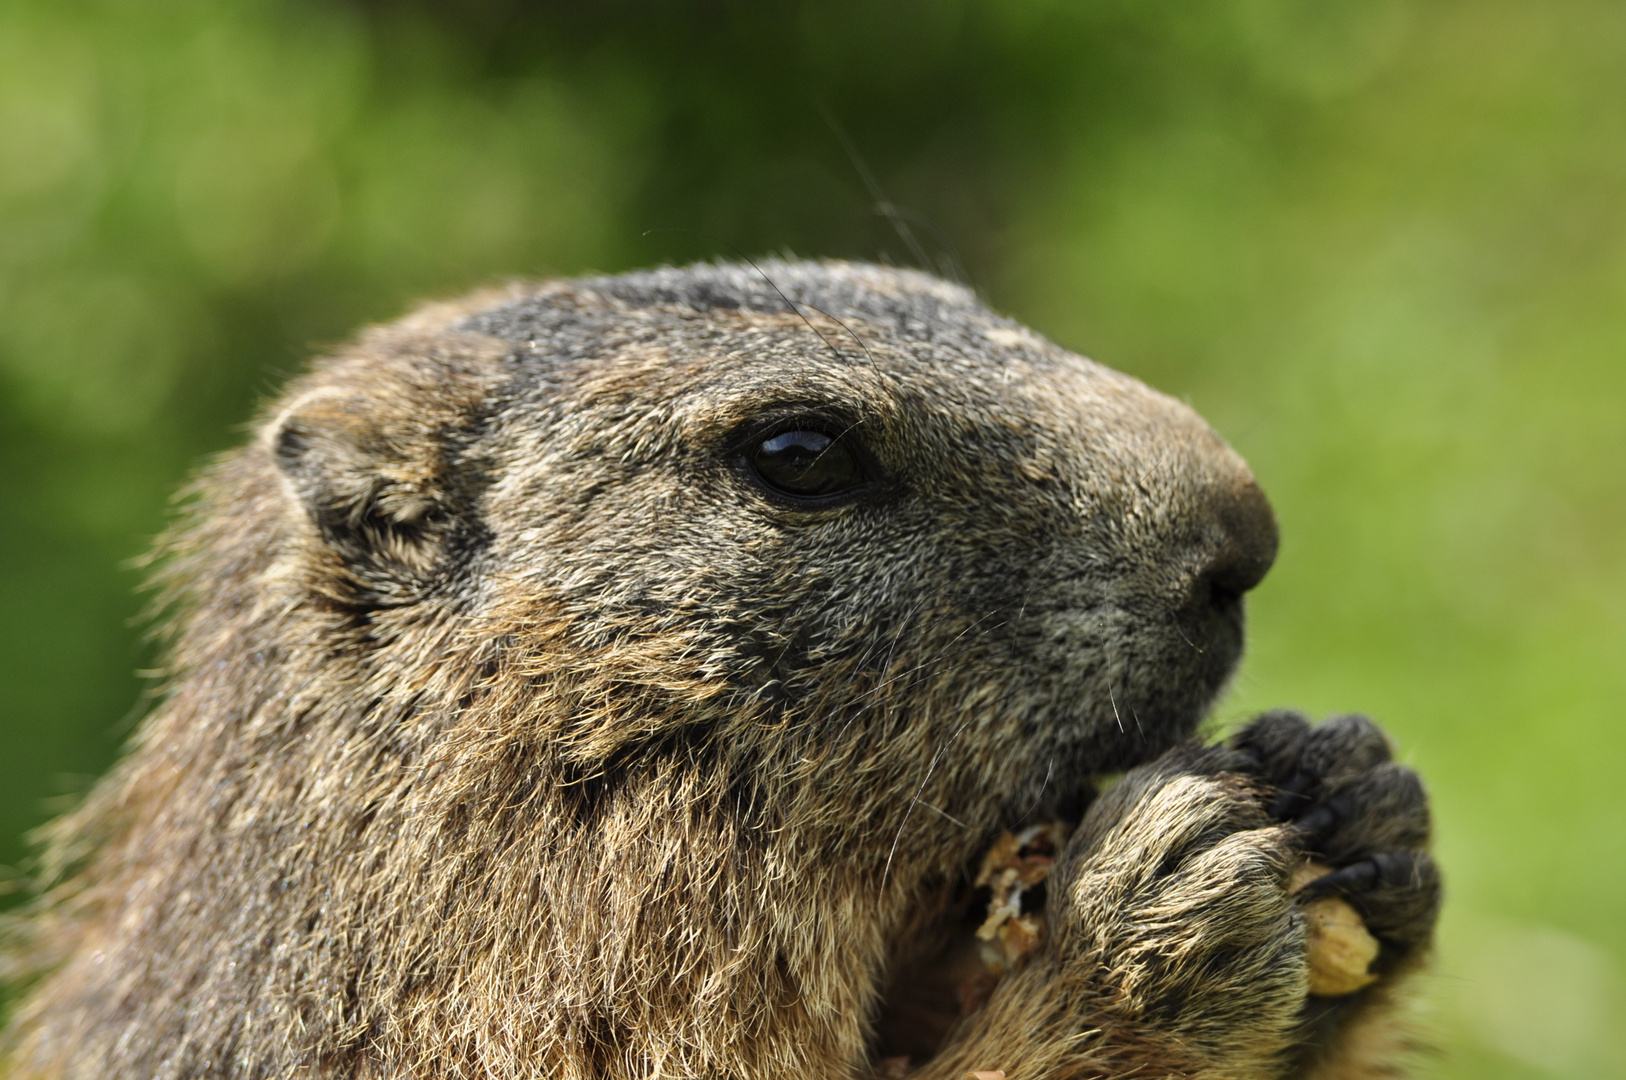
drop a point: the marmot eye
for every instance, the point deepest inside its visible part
(806, 464)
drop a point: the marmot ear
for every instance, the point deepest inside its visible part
(376, 453)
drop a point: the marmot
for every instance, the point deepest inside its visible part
(622, 677)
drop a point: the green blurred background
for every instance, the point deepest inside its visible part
(1380, 244)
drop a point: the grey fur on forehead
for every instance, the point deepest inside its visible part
(909, 305)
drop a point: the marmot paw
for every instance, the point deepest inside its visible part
(1175, 906)
(1358, 812)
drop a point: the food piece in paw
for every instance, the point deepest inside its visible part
(1339, 946)
(1013, 871)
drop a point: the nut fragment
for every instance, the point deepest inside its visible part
(1011, 871)
(1014, 865)
(1340, 948)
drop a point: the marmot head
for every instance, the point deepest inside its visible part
(622, 666)
(819, 509)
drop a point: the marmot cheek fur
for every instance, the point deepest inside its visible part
(622, 678)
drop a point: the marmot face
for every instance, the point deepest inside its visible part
(989, 530)
(846, 505)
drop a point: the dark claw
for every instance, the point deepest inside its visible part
(1396, 892)
(1391, 868)
(1324, 819)
(1384, 808)
(1297, 759)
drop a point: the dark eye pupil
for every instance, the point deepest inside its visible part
(807, 463)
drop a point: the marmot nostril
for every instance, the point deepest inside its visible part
(1248, 547)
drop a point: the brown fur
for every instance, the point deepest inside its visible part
(511, 731)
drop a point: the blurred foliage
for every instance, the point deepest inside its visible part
(1380, 244)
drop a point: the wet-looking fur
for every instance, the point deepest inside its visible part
(515, 727)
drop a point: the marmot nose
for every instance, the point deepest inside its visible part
(1246, 528)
